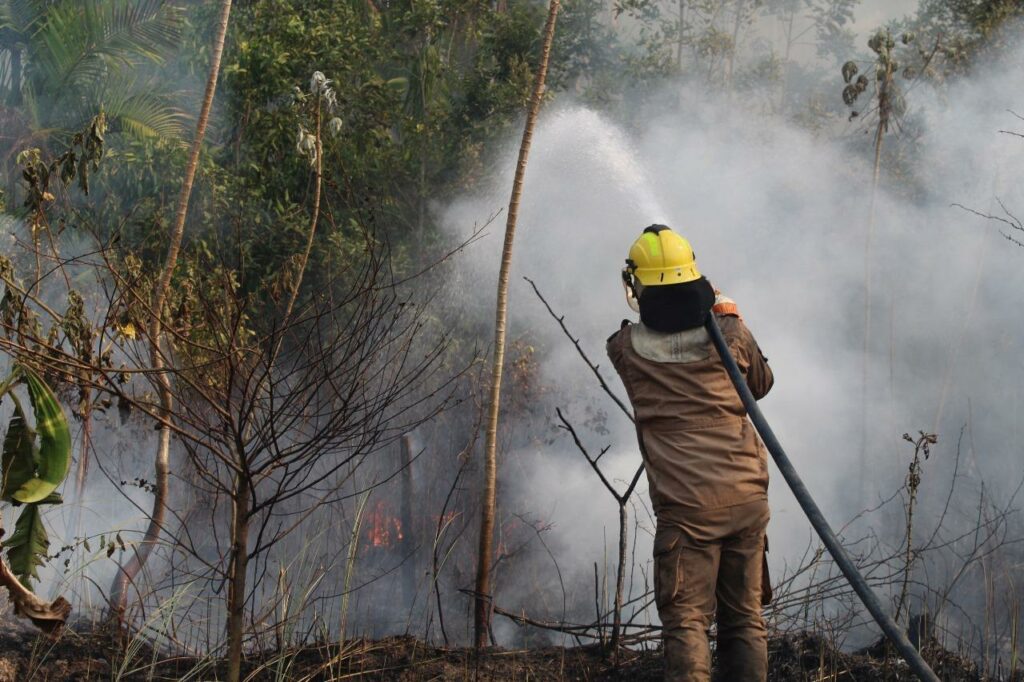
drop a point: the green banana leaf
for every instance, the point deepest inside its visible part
(29, 546)
(19, 455)
(54, 442)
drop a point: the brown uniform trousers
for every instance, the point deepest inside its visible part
(708, 478)
(708, 565)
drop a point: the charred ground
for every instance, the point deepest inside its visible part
(85, 654)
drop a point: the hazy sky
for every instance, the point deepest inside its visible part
(871, 14)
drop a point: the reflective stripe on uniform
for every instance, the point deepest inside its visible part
(725, 306)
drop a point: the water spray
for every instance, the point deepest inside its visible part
(803, 496)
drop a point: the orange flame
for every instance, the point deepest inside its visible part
(384, 529)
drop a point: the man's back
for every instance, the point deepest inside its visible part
(700, 450)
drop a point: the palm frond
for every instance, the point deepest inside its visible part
(147, 28)
(80, 43)
(146, 116)
(23, 16)
(130, 106)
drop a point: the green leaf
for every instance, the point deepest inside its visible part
(54, 442)
(28, 547)
(19, 458)
(398, 84)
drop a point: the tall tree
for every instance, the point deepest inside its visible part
(482, 613)
(158, 348)
(890, 106)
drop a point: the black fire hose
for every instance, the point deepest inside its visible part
(803, 496)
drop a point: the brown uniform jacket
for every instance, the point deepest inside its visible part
(699, 449)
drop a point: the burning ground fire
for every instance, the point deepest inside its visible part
(384, 529)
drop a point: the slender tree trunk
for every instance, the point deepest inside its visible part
(785, 62)
(421, 200)
(294, 294)
(118, 591)
(410, 534)
(735, 40)
(482, 615)
(83, 455)
(237, 574)
(620, 579)
(680, 38)
(883, 125)
(128, 573)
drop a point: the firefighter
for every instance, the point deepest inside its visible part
(706, 467)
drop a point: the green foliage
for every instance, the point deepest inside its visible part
(64, 63)
(31, 471)
(663, 38)
(965, 31)
(423, 88)
(832, 20)
(54, 442)
(81, 157)
(276, 47)
(74, 43)
(885, 66)
(70, 59)
(502, 75)
(20, 455)
(586, 56)
(29, 545)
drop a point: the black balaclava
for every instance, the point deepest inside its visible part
(675, 307)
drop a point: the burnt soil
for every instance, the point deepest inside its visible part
(89, 655)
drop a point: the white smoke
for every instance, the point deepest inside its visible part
(778, 218)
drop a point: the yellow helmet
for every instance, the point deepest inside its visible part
(660, 256)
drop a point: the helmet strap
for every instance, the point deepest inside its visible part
(632, 296)
(628, 280)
